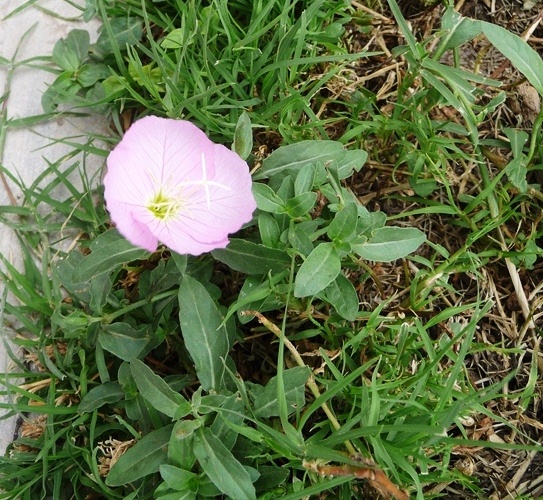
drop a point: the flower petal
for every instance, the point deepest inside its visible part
(207, 187)
(134, 231)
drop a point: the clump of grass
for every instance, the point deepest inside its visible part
(325, 351)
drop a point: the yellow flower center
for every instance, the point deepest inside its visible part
(163, 206)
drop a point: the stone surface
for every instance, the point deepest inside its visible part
(26, 149)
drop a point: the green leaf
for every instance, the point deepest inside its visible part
(176, 39)
(304, 179)
(106, 257)
(155, 390)
(89, 74)
(319, 269)
(391, 243)
(180, 446)
(300, 205)
(251, 258)
(415, 48)
(352, 162)
(266, 199)
(266, 403)
(222, 467)
(144, 458)
(123, 340)
(243, 136)
(270, 477)
(99, 288)
(343, 224)
(69, 52)
(206, 340)
(300, 239)
(290, 159)
(60, 91)
(109, 392)
(231, 411)
(459, 30)
(268, 229)
(342, 295)
(517, 169)
(176, 478)
(126, 31)
(521, 55)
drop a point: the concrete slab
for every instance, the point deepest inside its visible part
(26, 149)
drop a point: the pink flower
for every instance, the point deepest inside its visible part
(167, 182)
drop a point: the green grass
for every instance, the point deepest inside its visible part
(332, 386)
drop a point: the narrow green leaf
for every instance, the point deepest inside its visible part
(155, 390)
(414, 46)
(222, 467)
(144, 458)
(205, 339)
(319, 269)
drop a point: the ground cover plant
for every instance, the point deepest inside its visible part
(374, 330)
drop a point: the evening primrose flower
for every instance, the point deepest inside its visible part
(166, 182)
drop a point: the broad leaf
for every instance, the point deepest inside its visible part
(292, 158)
(304, 179)
(266, 402)
(266, 199)
(319, 269)
(243, 136)
(521, 55)
(176, 478)
(252, 258)
(205, 339)
(222, 467)
(459, 30)
(155, 390)
(144, 458)
(123, 340)
(300, 205)
(125, 31)
(390, 243)
(342, 295)
(107, 257)
(98, 396)
(343, 224)
(69, 52)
